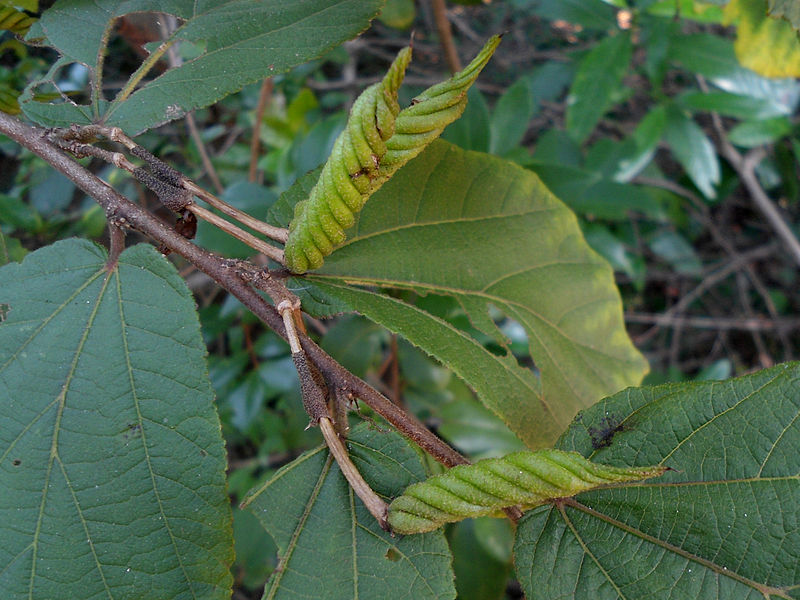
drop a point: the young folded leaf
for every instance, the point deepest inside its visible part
(526, 478)
(378, 139)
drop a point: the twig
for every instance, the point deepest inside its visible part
(745, 167)
(445, 35)
(763, 355)
(122, 212)
(208, 166)
(264, 98)
(739, 261)
(139, 74)
(71, 140)
(377, 507)
(702, 213)
(314, 403)
(168, 24)
(266, 249)
(278, 234)
(732, 323)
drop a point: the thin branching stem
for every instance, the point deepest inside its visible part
(124, 213)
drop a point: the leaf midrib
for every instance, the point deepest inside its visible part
(54, 457)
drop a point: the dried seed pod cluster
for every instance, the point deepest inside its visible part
(378, 139)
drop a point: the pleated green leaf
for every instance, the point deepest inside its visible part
(112, 464)
(490, 235)
(722, 524)
(525, 478)
(378, 140)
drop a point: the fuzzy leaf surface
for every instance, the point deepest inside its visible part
(722, 524)
(489, 234)
(243, 41)
(112, 463)
(330, 546)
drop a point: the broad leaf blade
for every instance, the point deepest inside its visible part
(694, 151)
(113, 465)
(723, 524)
(597, 82)
(330, 546)
(489, 234)
(244, 40)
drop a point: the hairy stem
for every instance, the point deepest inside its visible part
(123, 212)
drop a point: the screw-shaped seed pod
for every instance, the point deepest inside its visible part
(378, 139)
(523, 478)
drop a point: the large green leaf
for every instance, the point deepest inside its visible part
(112, 465)
(597, 84)
(243, 41)
(330, 546)
(489, 234)
(723, 524)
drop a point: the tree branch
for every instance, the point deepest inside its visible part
(121, 212)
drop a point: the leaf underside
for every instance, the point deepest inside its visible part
(243, 41)
(330, 546)
(722, 524)
(490, 235)
(112, 463)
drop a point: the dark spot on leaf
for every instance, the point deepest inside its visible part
(393, 555)
(16, 462)
(203, 452)
(131, 430)
(602, 435)
(4, 310)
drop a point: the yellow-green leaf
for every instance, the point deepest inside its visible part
(768, 46)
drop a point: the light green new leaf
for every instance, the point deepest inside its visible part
(243, 41)
(597, 82)
(489, 234)
(723, 524)
(330, 546)
(112, 463)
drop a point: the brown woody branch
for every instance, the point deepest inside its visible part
(121, 212)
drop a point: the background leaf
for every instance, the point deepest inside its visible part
(723, 524)
(489, 234)
(330, 546)
(597, 83)
(693, 150)
(113, 466)
(244, 40)
(510, 118)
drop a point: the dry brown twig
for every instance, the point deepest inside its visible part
(233, 277)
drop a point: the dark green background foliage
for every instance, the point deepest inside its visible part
(610, 172)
